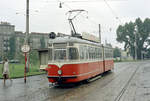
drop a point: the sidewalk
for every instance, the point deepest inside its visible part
(18, 90)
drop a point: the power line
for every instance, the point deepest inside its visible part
(113, 12)
(80, 1)
(81, 15)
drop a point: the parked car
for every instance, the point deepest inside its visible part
(14, 61)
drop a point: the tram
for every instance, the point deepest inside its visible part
(72, 59)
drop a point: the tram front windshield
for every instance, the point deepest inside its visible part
(60, 54)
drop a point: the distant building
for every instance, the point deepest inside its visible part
(6, 28)
(7, 31)
(35, 39)
(125, 55)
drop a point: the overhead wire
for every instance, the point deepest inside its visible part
(89, 1)
(88, 18)
(64, 3)
(113, 12)
(93, 23)
(105, 1)
(107, 4)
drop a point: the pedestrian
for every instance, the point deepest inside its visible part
(6, 71)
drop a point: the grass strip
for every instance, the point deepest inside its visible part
(17, 70)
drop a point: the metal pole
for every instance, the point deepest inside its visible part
(26, 38)
(25, 67)
(135, 49)
(141, 55)
(99, 33)
(27, 22)
(135, 44)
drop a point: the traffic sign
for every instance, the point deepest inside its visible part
(25, 48)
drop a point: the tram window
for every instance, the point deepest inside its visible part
(86, 52)
(82, 53)
(73, 54)
(100, 53)
(106, 56)
(90, 52)
(60, 45)
(50, 45)
(60, 54)
(93, 53)
(108, 53)
(50, 54)
(111, 53)
(97, 53)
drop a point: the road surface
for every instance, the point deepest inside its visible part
(130, 81)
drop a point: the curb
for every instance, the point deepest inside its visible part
(26, 76)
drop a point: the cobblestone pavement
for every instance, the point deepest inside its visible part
(130, 81)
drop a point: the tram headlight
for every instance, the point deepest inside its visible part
(59, 72)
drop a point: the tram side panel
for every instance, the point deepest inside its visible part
(101, 67)
(108, 65)
(81, 71)
(108, 59)
(95, 68)
(75, 72)
(70, 72)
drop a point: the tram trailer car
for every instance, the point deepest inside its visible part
(71, 59)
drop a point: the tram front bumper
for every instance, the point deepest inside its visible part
(62, 77)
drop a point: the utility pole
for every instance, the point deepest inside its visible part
(99, 32)
(27, 22)
(26, 38)
(135, 43)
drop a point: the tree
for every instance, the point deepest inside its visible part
(42, 41)
(21, 54)
(12, 47)
(0, 58)
(116, 52)
(134, 32)
(34, 58)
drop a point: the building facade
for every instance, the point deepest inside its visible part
(7, 31)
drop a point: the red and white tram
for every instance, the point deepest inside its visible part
(71, 59)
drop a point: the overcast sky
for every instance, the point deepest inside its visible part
(46, 16)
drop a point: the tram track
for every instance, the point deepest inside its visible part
(119, 96)
(73, 92)
(46, 94)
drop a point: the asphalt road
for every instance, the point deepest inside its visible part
(130, 81)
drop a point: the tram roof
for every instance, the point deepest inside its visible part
(73, 40)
